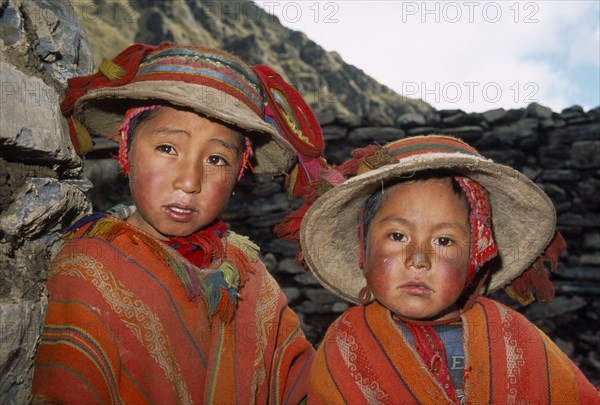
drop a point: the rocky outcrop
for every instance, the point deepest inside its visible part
(41, 185)
(239, 26)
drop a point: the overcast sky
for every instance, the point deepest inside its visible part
(472, 55)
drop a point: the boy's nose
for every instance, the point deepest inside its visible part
(417, 257)
(189, 177)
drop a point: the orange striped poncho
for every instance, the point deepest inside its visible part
(120, 327)
(366, 358)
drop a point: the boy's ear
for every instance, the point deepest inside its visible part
(365, 295)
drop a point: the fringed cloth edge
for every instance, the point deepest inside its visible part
(534, 283)
(216, 287)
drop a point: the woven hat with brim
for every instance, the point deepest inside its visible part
(523, 217)
(211, 82)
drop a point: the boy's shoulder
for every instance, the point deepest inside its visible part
(491, 304)
(95, 224)
(112, 230)
(492, 311)
(355, 318)
(243, 253)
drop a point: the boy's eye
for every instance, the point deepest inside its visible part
(217, 160)
(397, 236)
(443, 241)
(166, 149)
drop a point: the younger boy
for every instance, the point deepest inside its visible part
(437, 226)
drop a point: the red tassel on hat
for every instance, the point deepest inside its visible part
(534, 282)
(297, 124)
(124, 67)
(289, 227)
(309, 142)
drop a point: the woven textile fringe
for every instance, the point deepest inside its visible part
(110, 228)
(217, 289)
(534, 283)
(289, 229)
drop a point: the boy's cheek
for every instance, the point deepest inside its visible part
(455, 254)
(138, 172)
(379, 265)
(454, 279)
(223, 175)
(147, 180)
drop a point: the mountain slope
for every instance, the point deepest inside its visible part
(326, 81)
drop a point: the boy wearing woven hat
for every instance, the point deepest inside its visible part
(424, 228)
(159, 302)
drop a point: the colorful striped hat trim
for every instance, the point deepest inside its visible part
(439, 144)
(204, 69)
(208, 56)
(177, 65)
(206, 78)
(200, 52)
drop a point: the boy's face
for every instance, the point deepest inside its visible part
(183, 169)
(417, 251)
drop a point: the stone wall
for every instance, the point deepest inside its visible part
(41, 183)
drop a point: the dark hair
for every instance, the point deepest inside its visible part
(374, 201)
(137, 120)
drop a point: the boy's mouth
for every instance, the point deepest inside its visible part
(181, 210)
(416, 288)
(179, 213)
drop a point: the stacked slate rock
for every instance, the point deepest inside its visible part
(41, 184)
